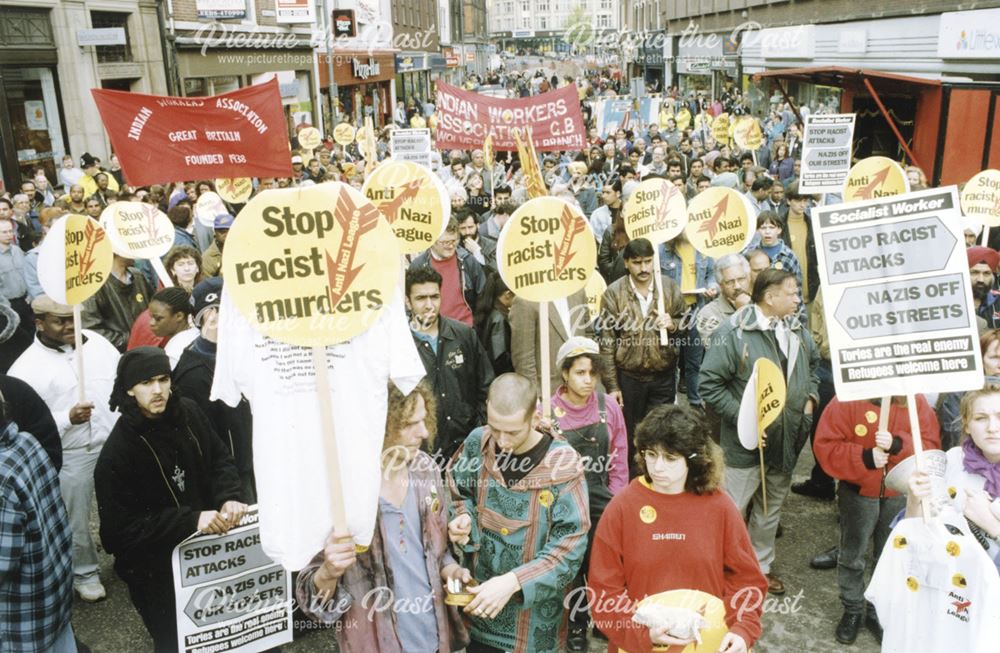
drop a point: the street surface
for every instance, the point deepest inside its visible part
(800, 622)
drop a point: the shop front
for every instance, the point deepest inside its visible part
(32, 131)
(413, 77)
(365, 84)
(651, 61)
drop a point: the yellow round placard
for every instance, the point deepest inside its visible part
(656, 210)
(546, 250)
(708, 606)
(683, 119)
(719, 222)
(874, 177)
(309, 138)
(720, 128)
(981, 198)
(747, 133)
(74, 260)
(312, 266)
(234, 191)
(137, 230)
(413, 200)
(343, 134)
(595, 294)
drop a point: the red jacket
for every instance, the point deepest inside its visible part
(845, 438)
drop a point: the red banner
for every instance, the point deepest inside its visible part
(160, 139)
(466, 118)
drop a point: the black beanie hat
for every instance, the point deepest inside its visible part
(136, 366)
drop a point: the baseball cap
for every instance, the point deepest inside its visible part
(296, 159)
(206, 295)
(576, 346)
(45, 305)
(223, 221)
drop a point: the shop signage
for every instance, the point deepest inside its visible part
(344, 24)
(101, 36)
(798, 42)
(470, 57)
(294, 11)
(969, 34)
(523, 33)
(365, 70)
(852, 41)
(451, 59)
(409, 62)
(221, 8)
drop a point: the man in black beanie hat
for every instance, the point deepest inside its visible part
(161, 474)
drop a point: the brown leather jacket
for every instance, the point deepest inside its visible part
(630, 341)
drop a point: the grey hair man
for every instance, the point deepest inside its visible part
(732, 271)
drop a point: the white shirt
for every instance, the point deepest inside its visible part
(52, 374)
(288, 450)
(562, 308)
(778, 326)
(644, 302)
(936, 590)
(178, 343)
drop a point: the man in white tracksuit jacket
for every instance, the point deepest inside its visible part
(49, 366)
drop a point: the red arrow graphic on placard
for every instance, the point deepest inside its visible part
(151, 212)
(564, 253)
(355, 221)
(93, 236)
(668, 190)
(712, 224)
(865, 192)
(409, 191)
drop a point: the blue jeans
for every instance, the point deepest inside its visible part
(861, 520)
(692, 352)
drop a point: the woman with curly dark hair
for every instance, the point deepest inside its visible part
(674, 528)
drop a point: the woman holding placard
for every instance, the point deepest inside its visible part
(675, 510)
(972, 476)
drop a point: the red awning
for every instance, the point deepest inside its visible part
(841, 77)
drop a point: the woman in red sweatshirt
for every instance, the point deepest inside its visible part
(674, 528)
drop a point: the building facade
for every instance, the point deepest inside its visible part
(51, 54)
(416, 27)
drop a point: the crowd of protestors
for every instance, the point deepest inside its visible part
(614, 484)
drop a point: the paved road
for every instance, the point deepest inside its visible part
(801, 621)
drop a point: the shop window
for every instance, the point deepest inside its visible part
(112, 53)
(34, 119)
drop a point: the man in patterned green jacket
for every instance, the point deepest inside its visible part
(521, 517)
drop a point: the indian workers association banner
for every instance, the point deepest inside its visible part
(465, 119)
(160, 139)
